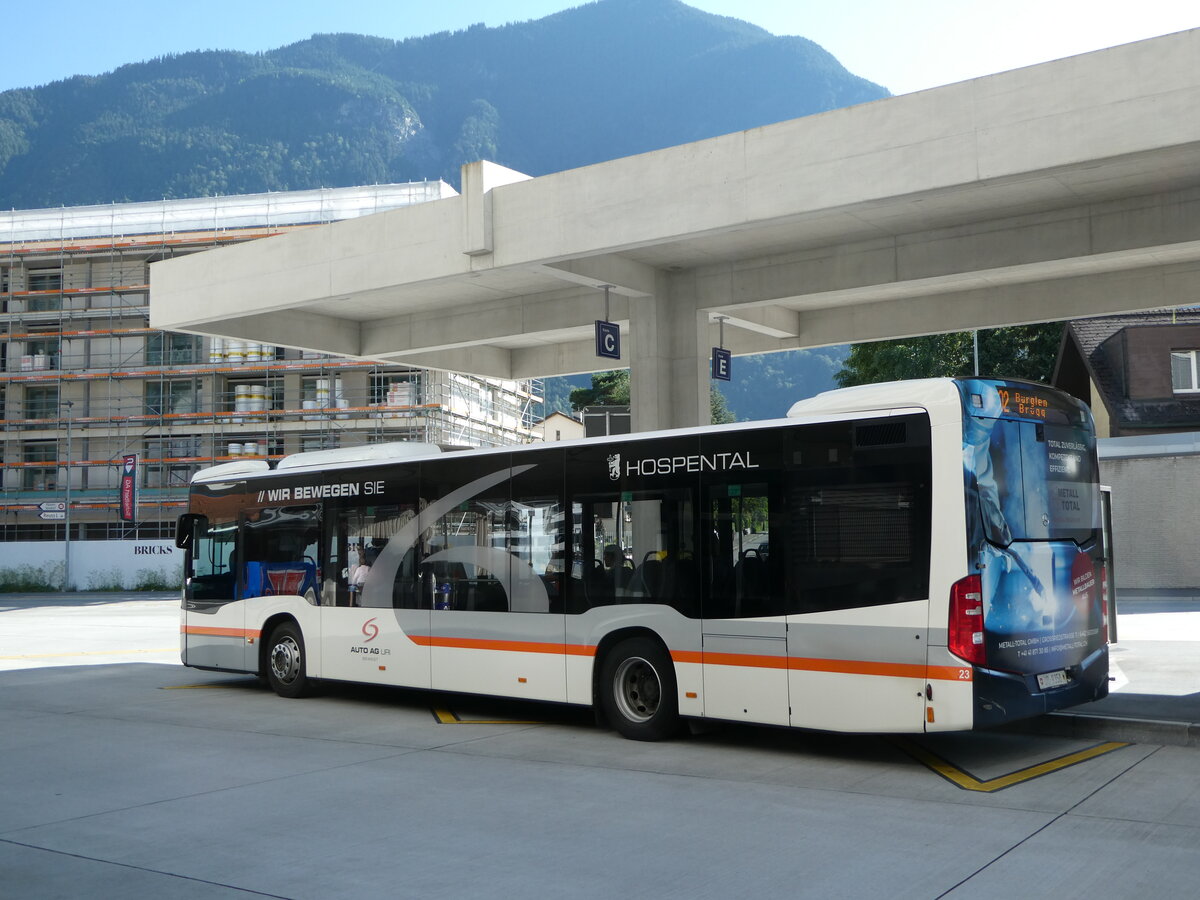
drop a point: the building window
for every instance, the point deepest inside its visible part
(42, 351)
(40, 477)
(41, 403)
(44, 280)
(1185, 377)
(169, 462)
(392, 389)
(164, 349)
(167, 397)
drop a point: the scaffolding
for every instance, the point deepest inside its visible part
(80, 368)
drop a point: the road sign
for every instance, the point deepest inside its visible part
(52, 515)
(53, 506)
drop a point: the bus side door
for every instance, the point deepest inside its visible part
(744, 631)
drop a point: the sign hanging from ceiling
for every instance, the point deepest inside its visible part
(608, 339)
(722, 364)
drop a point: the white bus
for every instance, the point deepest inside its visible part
(917, 556)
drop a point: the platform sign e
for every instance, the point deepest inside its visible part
(722, 364)
(608, 339)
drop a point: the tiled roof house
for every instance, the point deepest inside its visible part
(1138, 372)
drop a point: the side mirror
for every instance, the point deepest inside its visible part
(185, 529)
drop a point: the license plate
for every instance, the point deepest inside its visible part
(1049, 680)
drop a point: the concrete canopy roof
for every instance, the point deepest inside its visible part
(1062, 190)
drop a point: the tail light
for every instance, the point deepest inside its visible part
(966, 620)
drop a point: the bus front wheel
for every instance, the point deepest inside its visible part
(637, 690)
(286, 669)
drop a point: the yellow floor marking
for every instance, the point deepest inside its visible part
(446, 717)
(969, 782)
(91, 653)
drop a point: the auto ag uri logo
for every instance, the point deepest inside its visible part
(370, 631)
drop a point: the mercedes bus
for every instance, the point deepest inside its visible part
(905, 557)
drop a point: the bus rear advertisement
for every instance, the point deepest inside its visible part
(918, 556)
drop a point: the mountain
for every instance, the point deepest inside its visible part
(597, 82)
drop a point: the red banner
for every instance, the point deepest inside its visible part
(129, 488)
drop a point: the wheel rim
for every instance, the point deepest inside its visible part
(285, 659)
(637, 689)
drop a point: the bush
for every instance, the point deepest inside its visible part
(156, 580)
(143, 580)
(106, 580)
(32, 579)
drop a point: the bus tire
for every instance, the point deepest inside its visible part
(286, 662)
(637, 690)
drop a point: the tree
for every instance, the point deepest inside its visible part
(612, 389)
(608, 389)
(719, 412)
(1019, 351)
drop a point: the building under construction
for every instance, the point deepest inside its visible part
(85, 382)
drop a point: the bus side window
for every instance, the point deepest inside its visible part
(356, 543)
(280, 552)
(535, 526)
(744, 576)
(858, 502)
(635, 547)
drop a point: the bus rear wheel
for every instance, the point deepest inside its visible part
(637, 690)
(286, 669)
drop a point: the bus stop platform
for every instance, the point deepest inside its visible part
(1155, 670)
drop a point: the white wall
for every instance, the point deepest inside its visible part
(1155, 494)
(98, 564)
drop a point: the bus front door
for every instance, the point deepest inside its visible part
(213, 622)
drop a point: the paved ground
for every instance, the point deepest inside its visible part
(1156, 665)
(88, 629)
(121, 778)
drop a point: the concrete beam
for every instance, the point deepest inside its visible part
(485, 323)
(1000, 305)
(565, 357)
(487, 362)
(299, 329)
(633, 279)
(770, 321)
(1136, 231)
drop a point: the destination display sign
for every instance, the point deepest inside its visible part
(1021, 401)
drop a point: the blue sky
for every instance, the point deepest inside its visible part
(905, 46)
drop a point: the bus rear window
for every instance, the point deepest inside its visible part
(1037, 482)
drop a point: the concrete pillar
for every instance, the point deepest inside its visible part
(668, 370)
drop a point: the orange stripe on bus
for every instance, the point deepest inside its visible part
(425, 640)
(838, 666)
(221, 632)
